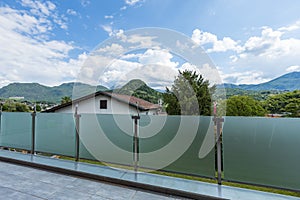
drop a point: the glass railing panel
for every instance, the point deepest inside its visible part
(262, 151)
(55, 133)
(176, 144)
(107, 138)
(16, 130)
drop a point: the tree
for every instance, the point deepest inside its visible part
(11, 106)
(38, 107)
(65, 99)
(20, 107)
(287, 103)
(244, 106)
(189, 95)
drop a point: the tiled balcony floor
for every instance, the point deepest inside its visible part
(20, 182)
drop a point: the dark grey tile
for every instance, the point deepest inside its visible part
(84, 185)
(96, 197)
(7, 193)
(66, 194)
(149, 196)
(35, 188)
(116, 192)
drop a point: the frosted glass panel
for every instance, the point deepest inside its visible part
(84, 153)
(107, 138)
(16, 130)
(55, 133)
(262, 151)
(173, 143)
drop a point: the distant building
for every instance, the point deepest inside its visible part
(16, 98)
(108, 103)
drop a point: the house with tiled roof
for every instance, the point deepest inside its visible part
(108, 103)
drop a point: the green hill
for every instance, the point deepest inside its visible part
(139, 89)
(37, 92)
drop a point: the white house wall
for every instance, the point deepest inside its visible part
(114, 106)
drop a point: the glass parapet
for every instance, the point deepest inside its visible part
(55, 133)
(16, 130)
(173, 143)
(107, 138)
(262, 151)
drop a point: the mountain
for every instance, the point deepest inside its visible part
(290, 82)
(140, 89)
(38, 92)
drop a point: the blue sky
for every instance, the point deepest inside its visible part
(48, 41)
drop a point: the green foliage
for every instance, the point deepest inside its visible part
(244, 106)
(65, 99)
(171, 103)
(38, 108)
(12, 106)
(288, 103)
(189, 95)
(255, 94)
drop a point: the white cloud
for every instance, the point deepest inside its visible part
(114, 50)
(44, 12)
(108, 29)
(271, 44)
(226, 44)
(201, 38)
(108, 17)
(38, 7)
(293, 68)
(153, 66)
(292, 27)
(268, 44)
(132, 2)
(158, 57)
(27, 53)
(123, 8)
(208, 72)
(260, 57)
(85, 3)
(246, 77)
(72, 12)
(119, 33)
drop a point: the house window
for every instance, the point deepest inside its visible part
(103, 104)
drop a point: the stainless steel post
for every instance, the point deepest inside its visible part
(219, 149)
(77, 117)
(135, 143)
(33, 130)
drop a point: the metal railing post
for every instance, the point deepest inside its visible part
(0, 118)
(218, 122)
(135, 142)
(33, 131)
(77, 117)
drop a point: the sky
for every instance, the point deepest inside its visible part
(49, 42)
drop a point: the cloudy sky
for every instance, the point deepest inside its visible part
(49, 41)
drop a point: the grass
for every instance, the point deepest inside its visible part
(196, 178)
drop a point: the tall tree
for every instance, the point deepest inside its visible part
(189, 95)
